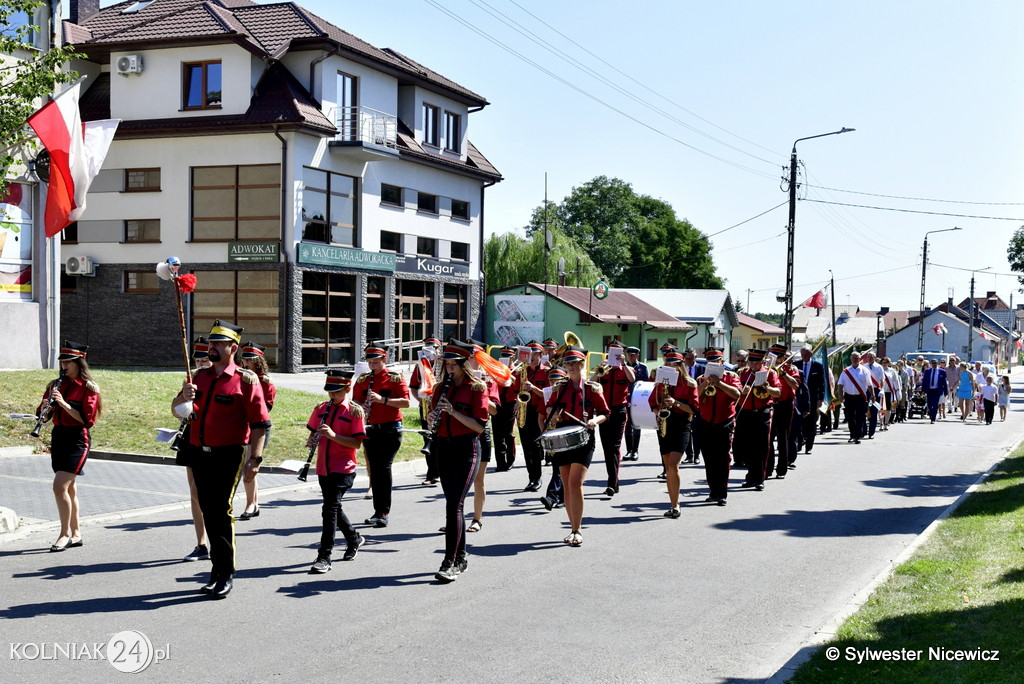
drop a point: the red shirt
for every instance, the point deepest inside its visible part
(332, 457)
(388, 385)
(683, 393)
(788, 393)
(747, 392)
(269, 392)
(464, 398)
(615, 386)
(720, 408)
(567, 396)
(82, 396)
(226, 406)
(539, 377)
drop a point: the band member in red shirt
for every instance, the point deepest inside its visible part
(580, 404)
(254, 360)
(718, 397)
(457, 416)
(384, 394)
(230, 414)
(782, 420)
(431, 349)
(337, 428)
(503, 422)
(74, 402)
(615, 383)
(680, 401)
(751, 443)
(535, 382)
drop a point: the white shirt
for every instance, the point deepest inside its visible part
(860, 376)
(989, 392)
(893, 385)
(877, 373)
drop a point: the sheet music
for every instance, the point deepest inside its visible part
(715, 369)
(615, 357)
(667, 375)
(360, 368)
(769, 359)
(760, 378)
(547, 393)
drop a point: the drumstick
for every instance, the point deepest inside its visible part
(573, 418)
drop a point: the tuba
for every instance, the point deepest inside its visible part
(571, 340)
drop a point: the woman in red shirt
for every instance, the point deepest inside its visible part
(576, 403)
(75, 400)
(681, 402)
(458, 413)
(252, 358)
(337, 426)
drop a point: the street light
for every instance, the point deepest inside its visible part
(970, 315)
(924, 267)
(788, 314)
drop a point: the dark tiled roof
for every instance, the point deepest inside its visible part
(618, 307)
(475, 161)
(269, 28)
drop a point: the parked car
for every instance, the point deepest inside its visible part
(928, 355)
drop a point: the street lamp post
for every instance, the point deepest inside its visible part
(788, 314)
(924, 269)
(970, 316)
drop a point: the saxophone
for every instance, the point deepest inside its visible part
(523, 398)
(663, 412)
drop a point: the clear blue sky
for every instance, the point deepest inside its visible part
(933, 89)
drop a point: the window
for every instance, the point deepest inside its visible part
(414, 313)
(141, 282)
(460, 209)
(245, 298)
(201, 85)
(390, 242)
(348, 111)
(652, 349)
(236, 203)
(328, 318)
(16, 242)
(375, 308)
(141, 180)
(460, 251)
(329, 207)
(452, 132)
(454, 312)
(427, 203)
(69, 236)
(390, 194)
(430, 132)
(21, 27)
(147, 230)
(426, 246)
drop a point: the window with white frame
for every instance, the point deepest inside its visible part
(430, 130)
(452, 132)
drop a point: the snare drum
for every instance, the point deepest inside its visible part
(564, 438)
(640, 412)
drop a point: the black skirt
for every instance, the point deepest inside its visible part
(677, 435)
(583, 454)
(69, 448)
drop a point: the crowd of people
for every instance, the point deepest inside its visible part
(757, 415)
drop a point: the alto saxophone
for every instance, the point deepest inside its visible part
(664, 412)
(523, 398)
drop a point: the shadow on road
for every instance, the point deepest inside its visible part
(839, 523)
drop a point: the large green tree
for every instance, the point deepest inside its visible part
(635, 240)
(510, 260)
(1015, 254)
(26, 76)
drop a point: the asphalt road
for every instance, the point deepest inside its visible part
(719, 595)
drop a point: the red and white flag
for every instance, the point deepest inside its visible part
(817, 301)
(76, 155)
(1020, 344)
(982, 335)
(940, 329)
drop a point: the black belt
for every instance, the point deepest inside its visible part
(381, 426)
(222, 449)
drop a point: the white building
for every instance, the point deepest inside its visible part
(324, 191)
(710, 312)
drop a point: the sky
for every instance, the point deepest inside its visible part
(699, 105)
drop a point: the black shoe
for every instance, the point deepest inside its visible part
(199, 553)
(672, 513)
(747, 484)
(75, 544)
(447, 573)
(353, 548)
(533, 486)
(856, 441)
(710, 499)
(792, 466)
(548, 503)
(663, 476)
(721, 502)
(460, 565)
(382, 521)
(373, 519)
(222, 589)
(208, 587)
(759, 487)
(246, 515)
(322, 565)
(559, 504)
(609, 491)
(781, 476)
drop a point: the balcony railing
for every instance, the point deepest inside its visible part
(362, 125)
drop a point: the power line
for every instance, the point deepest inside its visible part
(974, 270)
(915, 211)
(839, 280)
(919, 199)
(749, 219)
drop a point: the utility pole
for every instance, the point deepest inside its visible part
(970, 329)
(832, 291)
(924, 271)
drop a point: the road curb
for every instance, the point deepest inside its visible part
(830, 628)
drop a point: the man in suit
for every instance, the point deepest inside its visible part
(934, 384)
(812, 376)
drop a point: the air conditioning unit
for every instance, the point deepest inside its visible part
(80, 266)
(129, 64)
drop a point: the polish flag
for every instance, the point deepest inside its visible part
(939, 329)
(1020, 344)
(817, 301)
(76, 155)
(982, 335)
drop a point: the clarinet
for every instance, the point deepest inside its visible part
(434, 419)
(46, 412)
(316, 443)
(176, 444)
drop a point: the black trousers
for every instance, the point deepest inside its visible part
(632, 434)
(751, 442)
(782, 425)
(716, 446)
(693, 446)
(533, 454)
(216, 475)
(333, 487)
(382, 443)
(457, 460)
(611, 439)
(990, 409)
(504, 439)
(855, 406)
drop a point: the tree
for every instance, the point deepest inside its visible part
(635, 240)
(26, 75)
(511, 260)
(1015, 254)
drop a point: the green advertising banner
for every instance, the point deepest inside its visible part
(326, 255)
